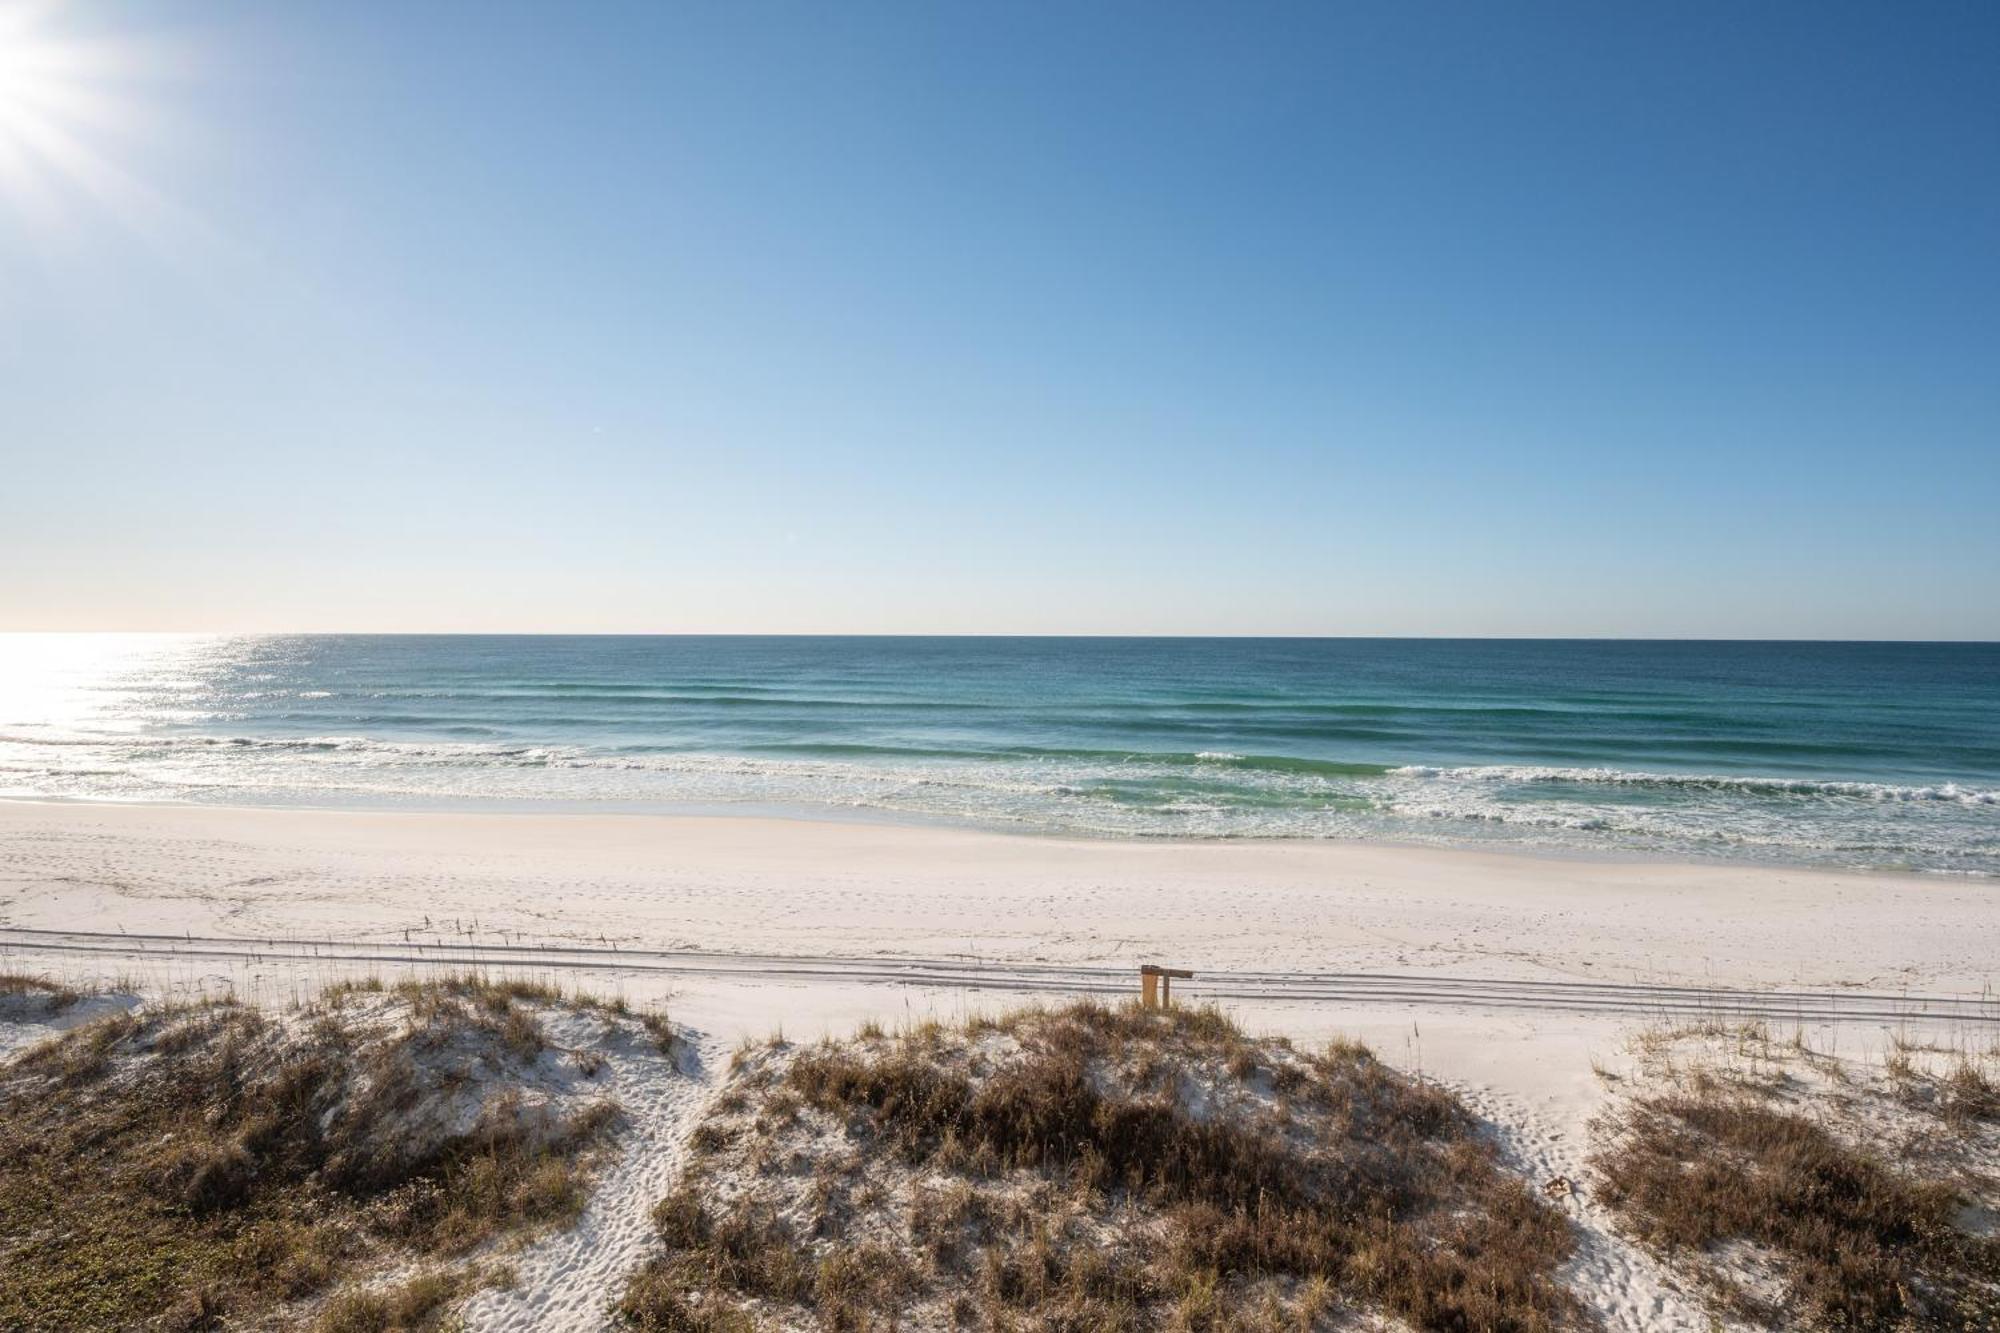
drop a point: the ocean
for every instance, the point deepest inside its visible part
(1850, 754)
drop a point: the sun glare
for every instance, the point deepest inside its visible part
(59, 104)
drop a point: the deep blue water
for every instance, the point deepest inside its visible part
(1842, 753)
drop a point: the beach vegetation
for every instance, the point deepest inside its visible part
(1802, 1190)
(27, 995)
(414, 1305)
(229, 1166)
(1094, 1168)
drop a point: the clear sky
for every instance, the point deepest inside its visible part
(1397, 318)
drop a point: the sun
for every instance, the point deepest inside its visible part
(59, 103)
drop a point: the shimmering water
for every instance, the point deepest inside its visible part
(1838, 753)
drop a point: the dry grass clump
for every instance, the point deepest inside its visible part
(23, 994)
(1854, 1242)
(1806, 1190)
(1094, 1168)
(27, 983)
(1969, 1092)
(208, 1164)
(419, 1303)
(499, 994)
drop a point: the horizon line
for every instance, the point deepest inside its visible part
(965, 634)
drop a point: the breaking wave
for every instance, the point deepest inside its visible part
(1701, 782)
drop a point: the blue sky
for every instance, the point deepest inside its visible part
(1325, 319)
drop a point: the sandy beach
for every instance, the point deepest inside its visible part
(831, 889)
(1514, 979)
(1501, 970)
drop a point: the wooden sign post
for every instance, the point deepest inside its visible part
(1156, 985)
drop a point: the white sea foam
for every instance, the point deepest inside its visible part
(1739, 783)
(1945, 826)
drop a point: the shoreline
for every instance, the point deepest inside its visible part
(872, 816)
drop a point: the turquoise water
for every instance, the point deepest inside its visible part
(1823, 753)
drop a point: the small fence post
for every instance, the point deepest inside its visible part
(1156, 985)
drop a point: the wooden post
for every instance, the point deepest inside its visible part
(1156, 985)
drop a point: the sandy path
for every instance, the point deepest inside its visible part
(567, 1280)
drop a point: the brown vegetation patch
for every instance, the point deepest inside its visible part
(211, 1164)
(1806, 1190)
(24, 995)
(417, 1303)
(1094, 1169)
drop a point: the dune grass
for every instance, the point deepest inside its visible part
(209, 1164)
(52, 996)
(1094, 1168)
(1806, 1190)
(418, 1303)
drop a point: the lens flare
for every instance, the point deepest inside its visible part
(64, 102)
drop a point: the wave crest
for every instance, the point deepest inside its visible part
(1748, 785)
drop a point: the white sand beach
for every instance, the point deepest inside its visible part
(743, 924)
(1505, 975)
(856, 890)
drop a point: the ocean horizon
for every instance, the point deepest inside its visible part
(1876, 754)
